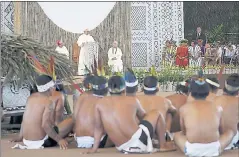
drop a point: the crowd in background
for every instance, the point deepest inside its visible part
(199, 52)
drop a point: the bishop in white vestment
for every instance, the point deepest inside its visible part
(62, 49)
(114, 58)
(83, 59)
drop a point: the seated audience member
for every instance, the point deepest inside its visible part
(213, 88)
(229, 102)
(84, 122)
(116, 116)
(150, 101)
(201, 114)
(42, 131)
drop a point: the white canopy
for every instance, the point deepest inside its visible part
(75, 17)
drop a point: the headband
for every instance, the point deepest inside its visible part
(116, 90)
(43, 88)
(213, 83)
(150, 89)
(131, 84)
(230, 88)
(99, 87)
(183, 83)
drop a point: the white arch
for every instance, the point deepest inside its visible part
(77, 16)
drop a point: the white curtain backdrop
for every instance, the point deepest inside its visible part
(75, 17)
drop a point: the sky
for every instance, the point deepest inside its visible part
(75, 17)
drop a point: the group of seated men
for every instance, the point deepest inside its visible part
(195, 119)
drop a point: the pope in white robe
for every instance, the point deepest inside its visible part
(62, 49)
(115, 58)
(83, 59)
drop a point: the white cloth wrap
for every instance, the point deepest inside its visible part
(202, 150)
(31, 144)
(86, 141)
(135, 142)
(234, 141)
(43, 88)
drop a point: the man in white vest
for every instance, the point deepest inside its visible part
(114, 58)
(83, 59)
(62, 49)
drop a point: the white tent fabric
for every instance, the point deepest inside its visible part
(75, 17)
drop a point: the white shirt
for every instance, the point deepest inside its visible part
(84, 39)
(229, 53)
(194, 51)
(62, 50)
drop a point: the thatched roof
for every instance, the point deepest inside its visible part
(16, 65)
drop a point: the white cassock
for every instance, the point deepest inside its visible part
(114, 59)
(62, 50)
(83, 60)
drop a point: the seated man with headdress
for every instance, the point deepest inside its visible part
(84, 122)
(150, 101)
(182, 54)
(213, 88)
(131, 83)
(41, 131)
(178, 100)
(201, 123)
(123, 128)
(229, 102)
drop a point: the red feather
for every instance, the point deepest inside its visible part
(38, 66)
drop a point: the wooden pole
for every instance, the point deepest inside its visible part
(17, 17)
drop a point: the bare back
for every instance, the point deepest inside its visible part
(118, 117)
(84, 115)
(230, 114)
(150, 103)
(32, 118)
(200, 121)
(178, 100)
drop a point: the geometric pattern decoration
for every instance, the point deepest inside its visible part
(156, 23)
(7, 17)
(13, 96)
(92, 52)
(141, 58)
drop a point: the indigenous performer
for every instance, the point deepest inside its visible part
(62, 49)
(83, 60)
(122, 127)
(182, 54)
(178, 100)
(114, 58)
(150, 101)
(84, 112)
(131, 83)
(205, 140)
(195, 54)
(229, 102)
(41, 131)
(169, 53)
(213, 85)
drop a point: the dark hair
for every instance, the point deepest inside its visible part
(131, 90)
(199, 91)
(183, 89)
(212, 87)
(43, 79)
(116, 83)
(88, 80)
(100, 80)
(150, 82)
(232, 80)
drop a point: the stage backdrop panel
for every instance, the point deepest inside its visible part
(7, 17)
(152, 23)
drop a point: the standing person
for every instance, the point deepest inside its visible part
(169, 53)
(62, 49)
(182, 54)
(115, 58)
(229, 102)
(200, 35)
(201, 114)
(83, 59)
(195, 53)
